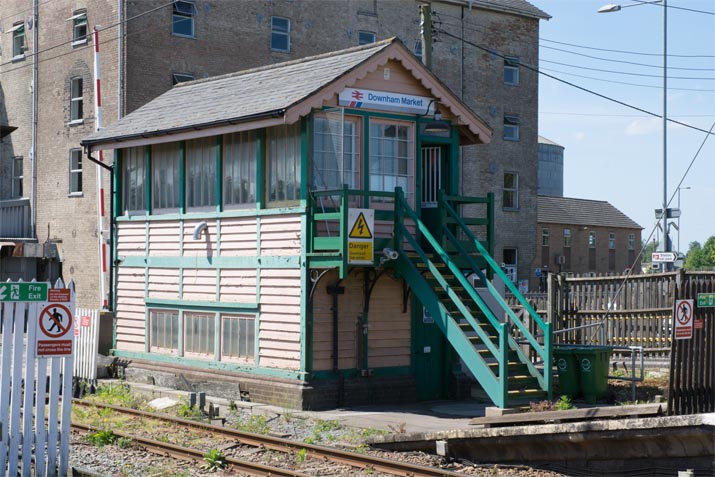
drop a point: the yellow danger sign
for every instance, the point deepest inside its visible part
(360, 230)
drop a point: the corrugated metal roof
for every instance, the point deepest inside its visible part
(240, 96)
(566, 210)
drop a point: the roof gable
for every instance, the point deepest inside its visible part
(275, 94)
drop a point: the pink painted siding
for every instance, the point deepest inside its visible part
(205, 246)
(280, 235)
(279, 329)
(238, 236)
(238, 286)
(199, 284)
(164, 283)
(163, 238)
(131, 321)
(131, 238)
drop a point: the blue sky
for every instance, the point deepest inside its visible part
(614, 153)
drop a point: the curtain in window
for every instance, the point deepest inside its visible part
(165, 177)
(201, 173)
(239, 169)
(283, 163)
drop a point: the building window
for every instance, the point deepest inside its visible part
(509, 263)
(18, 40)
(511, 70)
(164, 331)
(567, 237)
(280, 34)
(201, 173)
(544, 237)
(76, 100)
(631, 241)
(511, 128)
(611, 240)
(336, 152)
(238, 335)
(79, 27)
(133, 180)
(199, 334)
(511, 190)
(177, 78)
(76, 171)
(284, 161)
(16, 177)
(392, 158)
(418, 49)
(165, 192)
(239, 169)
(183, 18)
(592, 240)
(365, 37)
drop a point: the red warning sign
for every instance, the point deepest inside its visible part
(53, 339)
(683, 319)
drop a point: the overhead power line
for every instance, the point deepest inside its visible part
(639, 85)
(710, 78)
(556, 78)
(670, 55)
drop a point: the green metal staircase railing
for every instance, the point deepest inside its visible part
(497, 346)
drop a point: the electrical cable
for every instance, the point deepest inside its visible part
(625, 52)
(627, 83)
(556, 78)
(626, 72)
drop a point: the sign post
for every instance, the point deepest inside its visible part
(53, 326)
(668, 257)
(23, 291)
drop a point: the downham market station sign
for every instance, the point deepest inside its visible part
(403, 103)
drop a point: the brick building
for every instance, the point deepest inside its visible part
(147, 46)
(580, 236)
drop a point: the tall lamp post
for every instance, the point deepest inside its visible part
(666, 246)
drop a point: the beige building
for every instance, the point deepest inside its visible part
(47, 92)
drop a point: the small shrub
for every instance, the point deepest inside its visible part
(564, 403)
(125, 443)
(325, 426)
(190, 412)
(301, 455)
(215, 460)
(102, 438)
(257, 424)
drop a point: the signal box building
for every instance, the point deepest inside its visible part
(295, 234)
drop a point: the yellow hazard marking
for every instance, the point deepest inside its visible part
(360, 229)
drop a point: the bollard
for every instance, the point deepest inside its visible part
(202, 400)
(192, 400)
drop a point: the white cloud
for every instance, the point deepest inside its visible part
(642, 127)
(579, 136)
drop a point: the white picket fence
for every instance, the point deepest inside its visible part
(26, 420)
(86, 340)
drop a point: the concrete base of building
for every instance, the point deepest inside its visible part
(314, 395)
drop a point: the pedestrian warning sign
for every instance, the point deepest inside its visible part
(360, 229)
(361, 223)
(53, 337)
(683, 319)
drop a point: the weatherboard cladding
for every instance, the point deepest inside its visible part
(246, 94)
(565, 210)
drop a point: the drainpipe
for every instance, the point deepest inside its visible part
(120, 59)
(35, 96)
(334, 291)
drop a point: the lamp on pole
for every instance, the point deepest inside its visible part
(666, 246)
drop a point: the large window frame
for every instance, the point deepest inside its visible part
(240, 162)
(330, 171)
(510, 197)
(392, 157)
(79, 27)
(238, 338)
(544, 237)
(134, 169)
(75, 172)
(283, 144)
(592, 239)
(76, 100)
(182, 19)
(164, 331)
(200, 177)
(631, 241)
(611, 240)
(166, 178)
(511, 127)
(280, 34)
(199, 332)
(511, 70)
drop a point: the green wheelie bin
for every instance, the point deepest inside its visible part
(593, 364)
(568, 368)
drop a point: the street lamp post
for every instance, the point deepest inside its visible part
(666, 246)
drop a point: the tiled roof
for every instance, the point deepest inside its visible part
(241, 96)
(565, 210)
(521, 7)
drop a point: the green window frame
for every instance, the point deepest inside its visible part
(392, 157)
(240, 160)
(164, 331)
(283, 144)
(336, 151)
(166, 181)
(238, 338)
(200, 180)
(133, 180)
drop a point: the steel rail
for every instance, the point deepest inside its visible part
(194, 455)
(353, 459)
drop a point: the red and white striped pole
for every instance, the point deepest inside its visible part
(100, 188)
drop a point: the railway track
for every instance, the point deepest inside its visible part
(310, 451)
